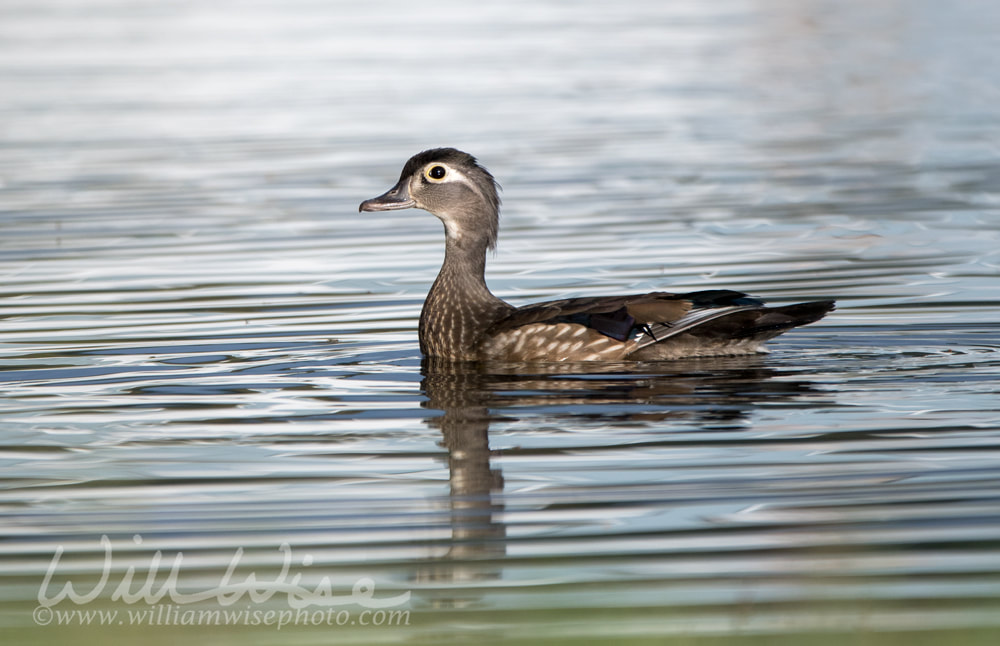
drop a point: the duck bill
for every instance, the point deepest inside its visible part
(397, 197)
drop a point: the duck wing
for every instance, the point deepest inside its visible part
(737, 328)
(713, 317)
(618, 317)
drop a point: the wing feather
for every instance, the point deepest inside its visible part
(615, 316)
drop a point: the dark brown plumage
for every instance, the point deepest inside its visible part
(463, 320)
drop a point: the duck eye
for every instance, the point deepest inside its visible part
(436, 172)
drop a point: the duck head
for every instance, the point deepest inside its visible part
(451, 185)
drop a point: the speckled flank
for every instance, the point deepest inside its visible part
(554, 342)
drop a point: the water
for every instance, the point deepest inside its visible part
(208, 353)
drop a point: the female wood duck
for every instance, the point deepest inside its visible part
(463, 320)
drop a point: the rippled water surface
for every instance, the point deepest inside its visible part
(210, 369)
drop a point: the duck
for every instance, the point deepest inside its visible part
(462, 320)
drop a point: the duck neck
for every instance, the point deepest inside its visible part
(459, 307)
(465, 264)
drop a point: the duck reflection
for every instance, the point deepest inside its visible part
(461, 392)
(713, 393)
(477, 545)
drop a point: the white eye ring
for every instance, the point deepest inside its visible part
(436, 172)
